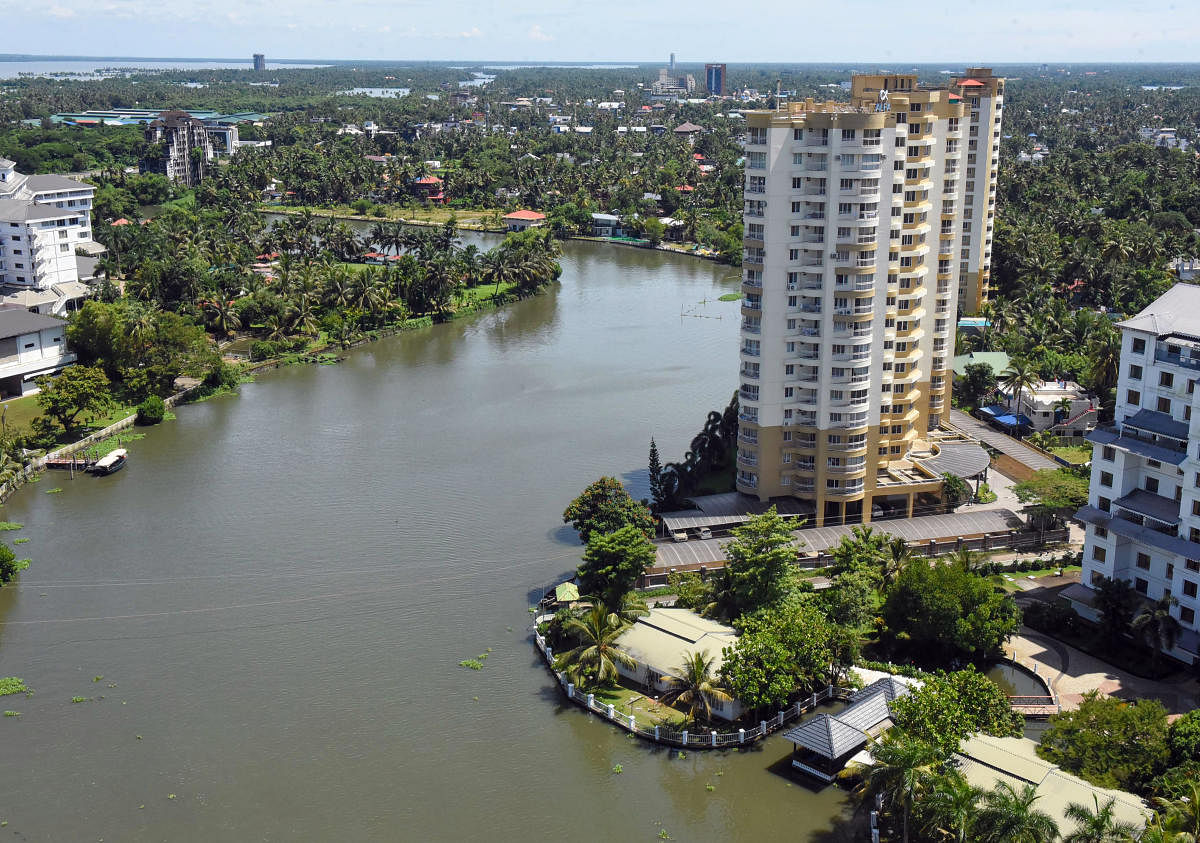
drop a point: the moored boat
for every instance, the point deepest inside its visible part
(110, 462)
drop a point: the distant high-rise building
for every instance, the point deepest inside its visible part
(853, 219)
(714, 79)
(179, 147)
(672, 65)
(260, 61)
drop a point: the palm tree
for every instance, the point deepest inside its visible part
(1157, 627)
(896, 560)
(1182, 816)
(695, 686)
(1018, 377)
(1009, 817)
(1097, 824)
(902, 772)
(953, 806)
(596, 658)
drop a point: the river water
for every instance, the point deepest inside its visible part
(279, 587)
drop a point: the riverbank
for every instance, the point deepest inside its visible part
(694, 250)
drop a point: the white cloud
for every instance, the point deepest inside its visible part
(473, 32)
(536, 34)
(61, 12)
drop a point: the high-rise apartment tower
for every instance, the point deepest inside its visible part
(983, 100)
(853, 224)
(260, 61)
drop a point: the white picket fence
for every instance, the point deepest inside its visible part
(684, 738)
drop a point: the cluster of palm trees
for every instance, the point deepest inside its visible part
(595, 658)
(200, 263)
(923, 796)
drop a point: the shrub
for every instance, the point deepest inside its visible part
(1051, 617)
(151, 411)
(222, 375)
(263, 350)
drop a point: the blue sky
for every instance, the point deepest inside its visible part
(616, 30)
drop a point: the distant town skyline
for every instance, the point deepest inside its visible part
(541, 31)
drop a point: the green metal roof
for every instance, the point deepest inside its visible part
(998, 360)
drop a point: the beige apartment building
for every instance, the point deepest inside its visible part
(854, 216)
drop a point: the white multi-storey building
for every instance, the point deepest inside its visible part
(983, 97)
(43, 220)
(1143, 511)
(852, 224)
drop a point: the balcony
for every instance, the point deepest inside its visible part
(848, 489)
(750, 372)
(1188, 361)
(752, 304)
(750, 328)
(806, 442)
(851, 468)
(751, 352)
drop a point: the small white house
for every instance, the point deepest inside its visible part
(1046, 407)
(607, 225)
(660, 642)
(521, 220)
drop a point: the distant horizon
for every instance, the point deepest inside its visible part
(616, 63)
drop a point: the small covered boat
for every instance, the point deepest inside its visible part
(110, 462)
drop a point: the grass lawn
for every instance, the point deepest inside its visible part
(1009, 581)
(438, 215)
(640, 706)
(1074, 454)
(19, 412)
(485, 291)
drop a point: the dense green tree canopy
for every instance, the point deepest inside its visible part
(1108, 741)
(612, 563)
(605, 507)
(944, 611)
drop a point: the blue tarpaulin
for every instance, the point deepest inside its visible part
(1009, 420)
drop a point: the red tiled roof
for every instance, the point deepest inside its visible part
(685, 188)
(122, 221)
(428, 180)
(970, 83)
(525, 215)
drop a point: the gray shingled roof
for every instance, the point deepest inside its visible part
(827, 736)
(1157, 422)
(890, 686)
(15, 321)
(836, 735)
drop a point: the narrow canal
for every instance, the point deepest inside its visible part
(266, 610)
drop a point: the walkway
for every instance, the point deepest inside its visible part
(1002, 442)
(1073, 673)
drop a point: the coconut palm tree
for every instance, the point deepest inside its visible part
(1018, 377)
(953, 807)
(1008, 816)
(596, 657)
(902, 772)
(1181, 816)
(695, 686)
(1157, 627)
(895, 560)
(1097, 824)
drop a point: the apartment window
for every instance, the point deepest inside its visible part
(1139, 346)
(1143, 561)
(1164, 405)
(1099, 553)
(1108, 453)
(1191, 565)
(848, 134)
(797, 134)
(1166, 379)
(1140, 585)
(1152, 485)
(1100, 532)
(1187, 615)
(1106, 479)
(1132, 396)
(1103, 504)
(1135, 372)
(797, 182)
(1189, 588)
